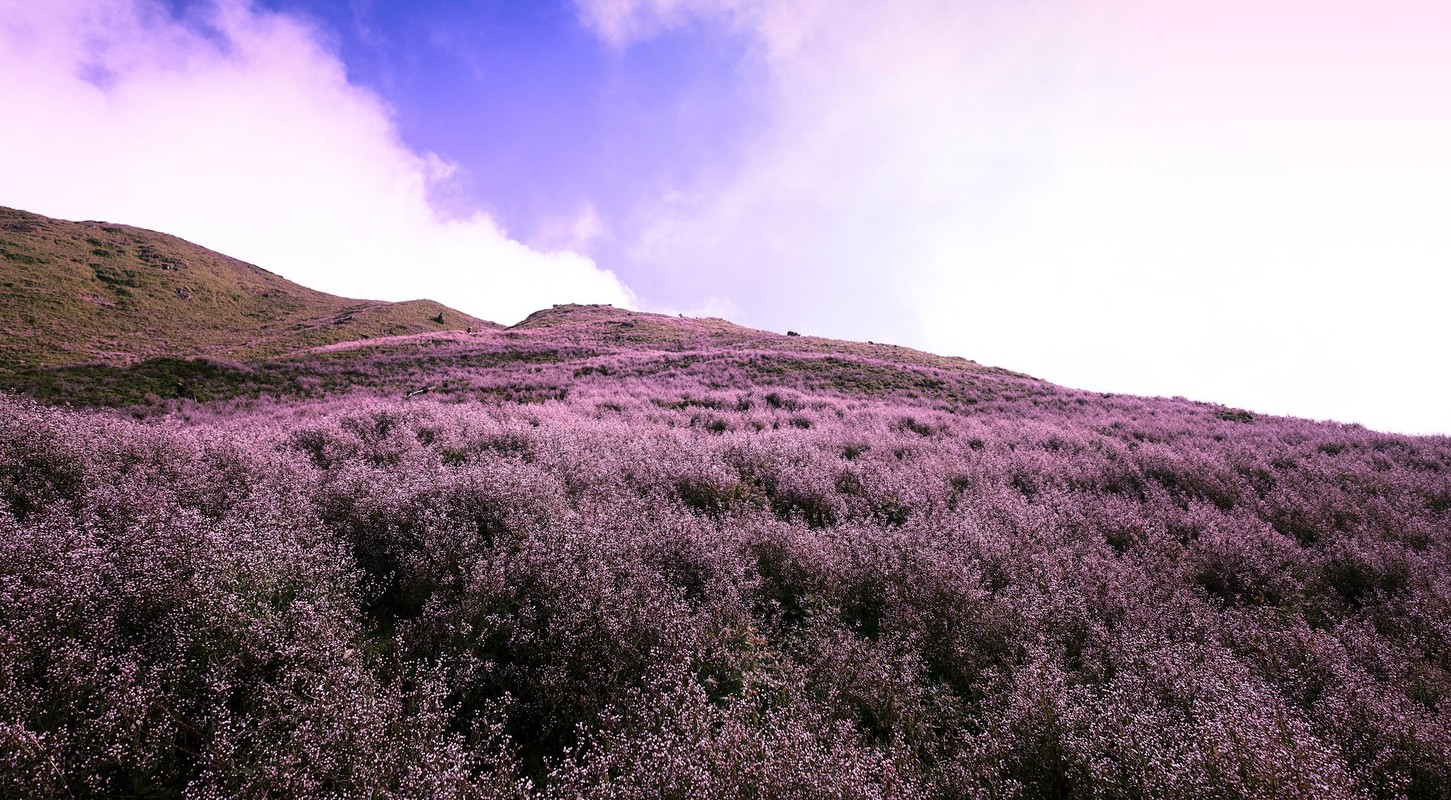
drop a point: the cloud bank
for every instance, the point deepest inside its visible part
(238, 129)
(1230, 201)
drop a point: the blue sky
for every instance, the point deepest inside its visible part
(1234, 201)
(546, 117)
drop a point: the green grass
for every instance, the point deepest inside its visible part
(80, 292)
(97, 314)
(165, 378)
(389, 368)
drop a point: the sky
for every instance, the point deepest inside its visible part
(1232, 201)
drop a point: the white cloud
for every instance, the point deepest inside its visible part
(578, 232)
(624, 22)
(237, 129)
(1231, 201)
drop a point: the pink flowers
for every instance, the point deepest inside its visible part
(685, 572)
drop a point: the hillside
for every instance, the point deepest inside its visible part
(607, 554)
(79, 292)
(545, 356)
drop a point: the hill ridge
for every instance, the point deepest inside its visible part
(88, 291)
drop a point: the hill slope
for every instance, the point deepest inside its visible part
(605, 554)
(76, 292)
(549, 354)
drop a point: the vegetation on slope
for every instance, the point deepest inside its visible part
(615, 555)
(703, 581)
(88, 292)
(578, 345)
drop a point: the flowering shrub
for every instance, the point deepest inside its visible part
(605, 570)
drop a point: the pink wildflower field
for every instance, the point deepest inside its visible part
(609, 555)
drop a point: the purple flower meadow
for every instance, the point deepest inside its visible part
(583, 566)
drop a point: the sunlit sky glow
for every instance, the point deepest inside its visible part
(1242, 202)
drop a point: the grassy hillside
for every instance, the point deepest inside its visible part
(570, 572)
(605, 325)
(548, 355)
(605, 554)
(78, 292)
